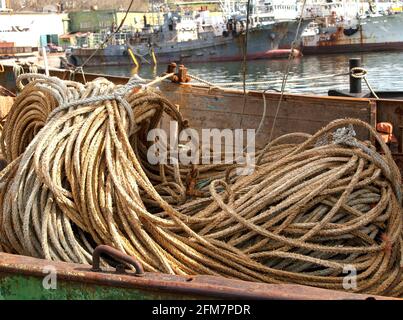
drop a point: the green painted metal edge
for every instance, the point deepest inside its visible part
(21, 287)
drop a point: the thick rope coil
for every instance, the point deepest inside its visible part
(79, 177)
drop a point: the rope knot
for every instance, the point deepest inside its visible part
(344, 135)
(358, 72)
(119, 94)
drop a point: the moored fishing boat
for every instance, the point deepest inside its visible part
(262, 43)
(380, 33)
(343, 29)
(197, 37)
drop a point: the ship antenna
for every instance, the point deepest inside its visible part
(106, 39)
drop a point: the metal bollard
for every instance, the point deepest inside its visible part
(355, 83)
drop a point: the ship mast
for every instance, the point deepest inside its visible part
(152, 13)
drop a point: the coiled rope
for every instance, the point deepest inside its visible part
(78, 176)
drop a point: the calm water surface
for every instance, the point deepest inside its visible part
(385, 71)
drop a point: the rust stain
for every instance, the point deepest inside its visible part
(335, 38)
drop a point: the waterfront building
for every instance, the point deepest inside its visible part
(33, 29)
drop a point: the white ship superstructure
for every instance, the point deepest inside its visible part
(34, 29)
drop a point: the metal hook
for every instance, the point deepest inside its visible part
(116, 255)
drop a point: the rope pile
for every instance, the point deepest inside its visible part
(78, 176)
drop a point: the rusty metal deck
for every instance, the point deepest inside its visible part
(21, 277)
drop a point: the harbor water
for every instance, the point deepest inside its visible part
(385, 71)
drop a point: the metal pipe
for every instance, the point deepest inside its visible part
(355, 83)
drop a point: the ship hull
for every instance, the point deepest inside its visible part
(291, 36)
(371, 34)
(262, 44)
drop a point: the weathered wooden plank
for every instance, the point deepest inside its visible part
(211, 109)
